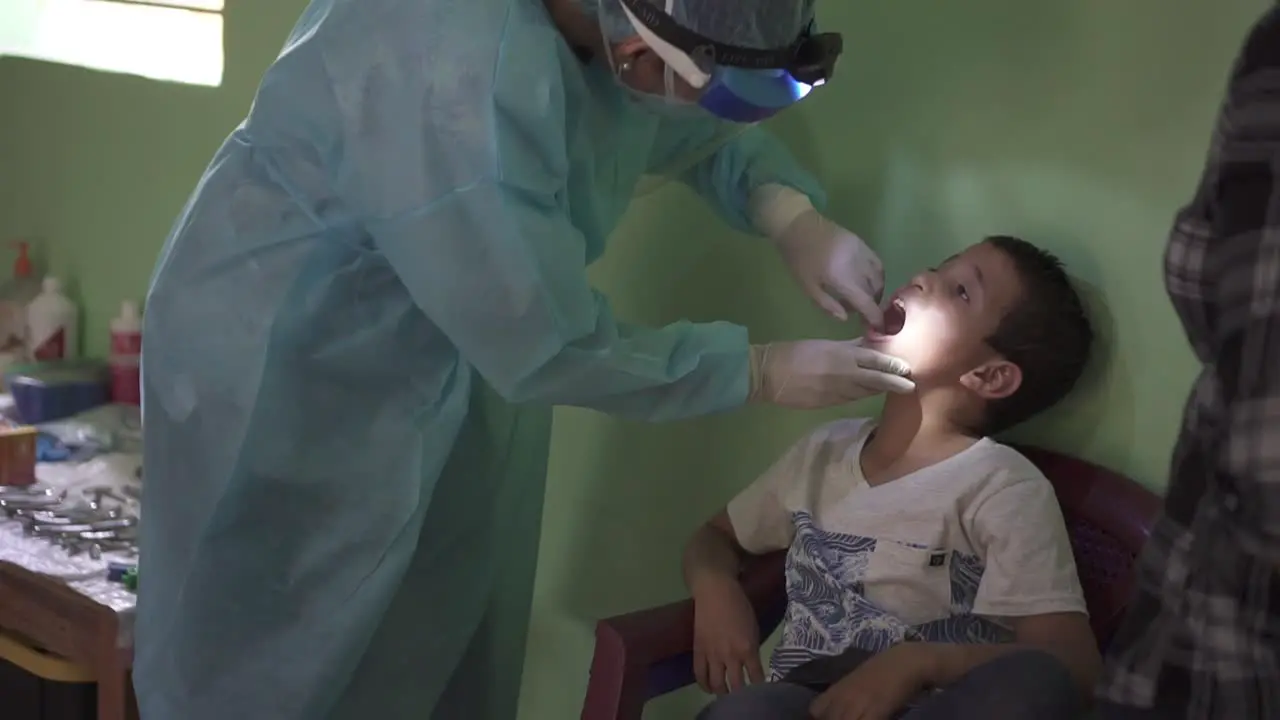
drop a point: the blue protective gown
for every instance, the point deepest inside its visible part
(354, 337)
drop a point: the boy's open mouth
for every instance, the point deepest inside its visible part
(895, 317)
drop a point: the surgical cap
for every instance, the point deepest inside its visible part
(757, 24)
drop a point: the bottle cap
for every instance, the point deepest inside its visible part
(22, 266)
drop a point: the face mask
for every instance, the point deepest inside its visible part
(658, 105)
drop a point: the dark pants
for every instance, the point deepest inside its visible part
(1018, 686)
(1107, 711)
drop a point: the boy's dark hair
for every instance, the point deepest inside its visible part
(1047, 334)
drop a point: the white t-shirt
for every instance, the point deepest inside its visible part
(945, 554)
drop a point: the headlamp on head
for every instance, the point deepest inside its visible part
(735, 83)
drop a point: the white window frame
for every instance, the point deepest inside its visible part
(168, 40)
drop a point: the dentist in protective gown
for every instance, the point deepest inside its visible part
(359, 325)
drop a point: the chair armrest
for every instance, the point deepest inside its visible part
(643, 654)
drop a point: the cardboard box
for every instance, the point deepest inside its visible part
(18, 455)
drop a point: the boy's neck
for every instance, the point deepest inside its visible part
(911, 435)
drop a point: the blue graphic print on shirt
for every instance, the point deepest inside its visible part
(828, 612)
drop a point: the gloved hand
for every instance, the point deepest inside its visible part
(810, 374)
(833, 266)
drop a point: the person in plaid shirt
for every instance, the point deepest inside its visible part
(1202, 639)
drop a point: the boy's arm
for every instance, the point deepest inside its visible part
(755, 522)
(726, 642)
(713, 555)
(1029, 583)
(1067, 636)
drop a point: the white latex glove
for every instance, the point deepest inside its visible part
(810, 374)
(833, 265)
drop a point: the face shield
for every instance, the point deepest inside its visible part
(738, 71)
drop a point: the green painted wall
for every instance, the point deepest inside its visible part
(1081, 125)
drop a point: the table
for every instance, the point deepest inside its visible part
(64, 604)
(69, 623)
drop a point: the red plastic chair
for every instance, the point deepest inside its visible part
(648, 653)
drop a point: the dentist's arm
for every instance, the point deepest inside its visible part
(504, 277)
(502, 272)
(755, 184)
(480, 237)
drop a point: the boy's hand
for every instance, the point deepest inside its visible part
(726, 638)
(880, 687)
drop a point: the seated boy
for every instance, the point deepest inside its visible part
(929, 572)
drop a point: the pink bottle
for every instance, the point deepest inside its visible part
(126, 355)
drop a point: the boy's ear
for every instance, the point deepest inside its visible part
(993, 380)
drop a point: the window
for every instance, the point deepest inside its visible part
(172, 40)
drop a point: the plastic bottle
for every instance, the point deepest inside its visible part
(52, 324)
(15, 294)
(126, 355)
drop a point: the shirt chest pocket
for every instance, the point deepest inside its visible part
(911, 583)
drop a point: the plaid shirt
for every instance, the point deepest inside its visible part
(1202, 639)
